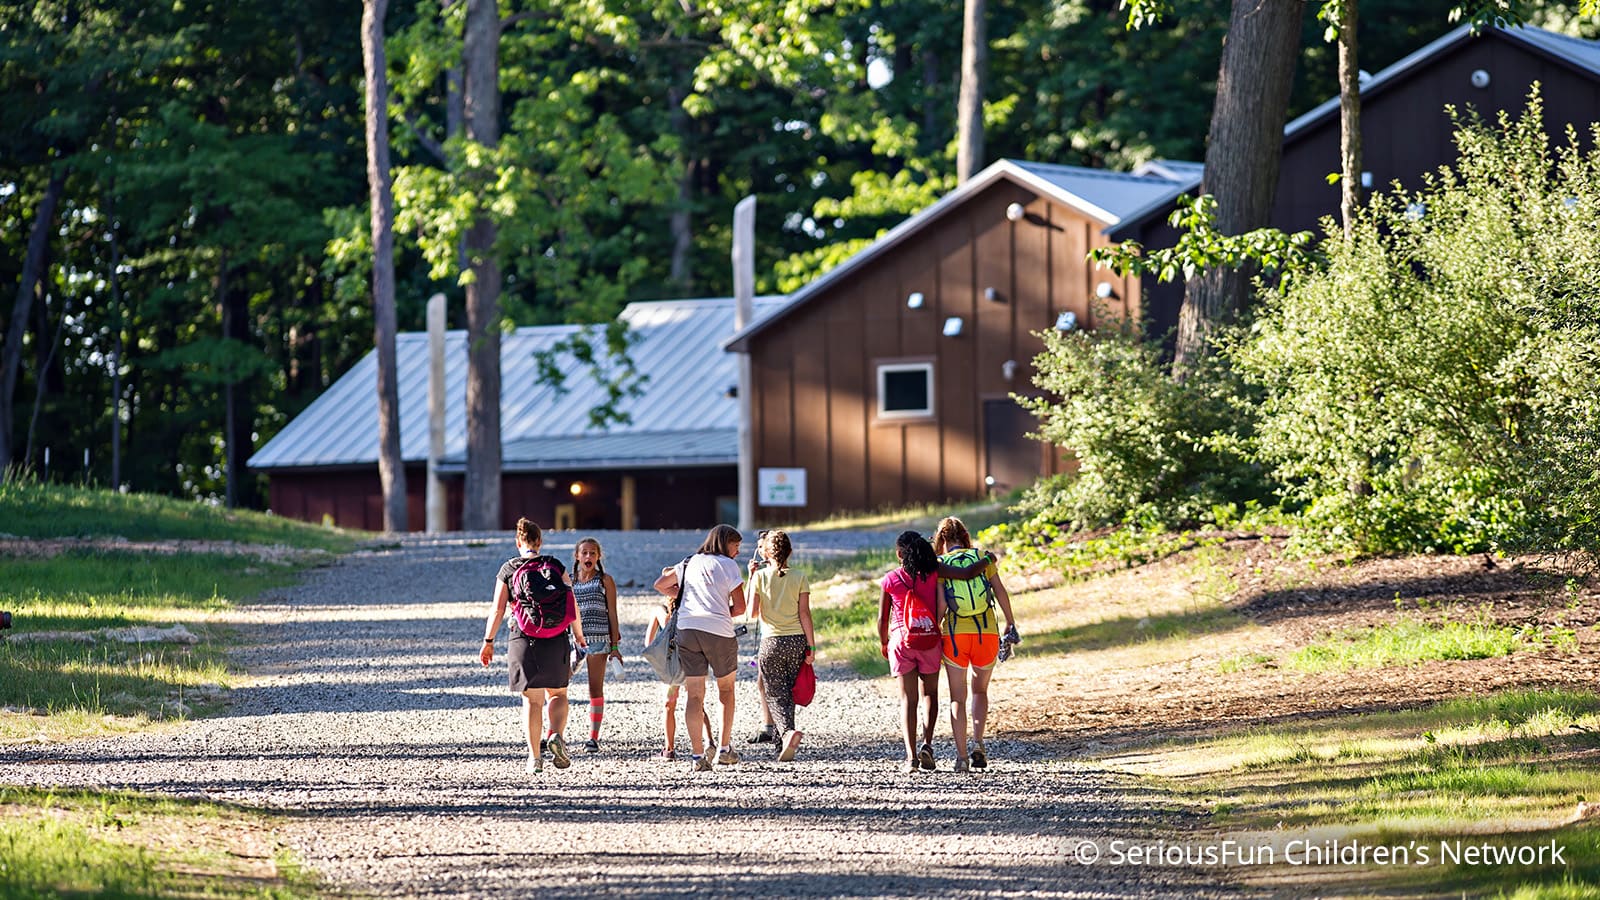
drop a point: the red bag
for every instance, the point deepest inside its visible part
(805, 685)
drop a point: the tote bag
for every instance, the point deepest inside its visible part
(662, 653)
(805, 685)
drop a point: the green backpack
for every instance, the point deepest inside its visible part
(971, 598)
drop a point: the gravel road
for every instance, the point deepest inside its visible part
(399, 761)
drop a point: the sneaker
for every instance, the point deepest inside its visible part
(558, 752)
(727, 756)
(910, 766)
(668, 755)
(791, 746)
(700, 764)
(591, 746)
(535, 763)
(963, 766)
(925, 757)
(544, 746)
(767, 735)
(980, 759)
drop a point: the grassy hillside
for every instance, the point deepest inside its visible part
(34, 510)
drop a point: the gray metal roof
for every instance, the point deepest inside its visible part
(1577, 52)
(676, 347)
(1101, 195)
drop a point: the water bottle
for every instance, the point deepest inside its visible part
(614, 670)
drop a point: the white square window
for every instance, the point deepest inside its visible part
(905, 390)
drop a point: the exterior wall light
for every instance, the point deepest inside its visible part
(914, 301)
(1067, 321)
(1008, 369)
(576, 489)
(1103, 290)
(952, 326)
(1015, 212)
(1480, 78)
(993, 294)
(1366, 179)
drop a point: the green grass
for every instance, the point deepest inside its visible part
(69, 685)
(118, 844)
(850, 632)
(1412, 640)
(1506, 769)
(38, 510)
(923, 517)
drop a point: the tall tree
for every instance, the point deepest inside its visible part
(974, 65)
(1243, 150)
(481, 75)
(391, 468)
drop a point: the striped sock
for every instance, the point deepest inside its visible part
(597, 711)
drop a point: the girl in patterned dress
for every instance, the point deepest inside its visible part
(596, 594)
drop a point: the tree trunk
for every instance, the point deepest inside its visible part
(236, 428)
(1349, 117)
(391, 468)
(680, 224)
(1243, 150)
(969, 105)
(114, 280)
(481, 492)
(32, 272)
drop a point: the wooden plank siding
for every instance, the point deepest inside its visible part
(819, 366)
(1407, 131)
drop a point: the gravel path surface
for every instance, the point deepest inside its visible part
(400, 762)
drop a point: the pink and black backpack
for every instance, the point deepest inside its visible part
(541, 601)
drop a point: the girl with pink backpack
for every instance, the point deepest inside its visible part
(909, 636)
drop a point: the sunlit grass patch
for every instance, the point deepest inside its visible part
(41, 510)
(119, 844)
(69, 667)
(1411, 639)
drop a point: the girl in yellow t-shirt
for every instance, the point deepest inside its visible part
(781, 597)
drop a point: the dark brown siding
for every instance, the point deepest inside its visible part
(354, 498)
(1407, 131)
(818, 368)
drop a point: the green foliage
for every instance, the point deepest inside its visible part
(1201, 247)
(1148, 448)
(1433, 387)
(1411, 640)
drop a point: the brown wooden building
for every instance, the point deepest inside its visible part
(888, 380)
(1406, 131)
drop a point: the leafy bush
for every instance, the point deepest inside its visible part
(1432, 388)
(1148, 448)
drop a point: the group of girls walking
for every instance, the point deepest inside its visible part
(918, 629)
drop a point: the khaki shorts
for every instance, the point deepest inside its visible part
(698, 650)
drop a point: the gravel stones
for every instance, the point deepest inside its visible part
(401, 760)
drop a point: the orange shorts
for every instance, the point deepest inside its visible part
(978, 651)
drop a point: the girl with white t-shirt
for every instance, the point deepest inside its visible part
(713, 593)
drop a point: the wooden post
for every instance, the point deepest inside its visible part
(436, 504)
(630, 504)
(744, 290)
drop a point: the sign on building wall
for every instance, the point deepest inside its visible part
(781, 487)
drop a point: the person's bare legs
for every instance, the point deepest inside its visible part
(597, 692)
(533, 717)
(556, 710)
(908, 697)
(694, 713)
(957, 676)
(669, 724)
(980, 702)
(930, 705)
(725, 700)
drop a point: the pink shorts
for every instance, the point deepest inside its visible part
(904, 661)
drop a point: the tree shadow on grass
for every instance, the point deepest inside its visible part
(1128, 631)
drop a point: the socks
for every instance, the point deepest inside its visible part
(597, 712)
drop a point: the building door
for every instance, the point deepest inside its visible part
(1014, 459)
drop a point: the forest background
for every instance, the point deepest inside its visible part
(203, 165)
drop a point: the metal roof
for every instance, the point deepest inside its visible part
(1581, 54)
(1099, 194)
(684, 394)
